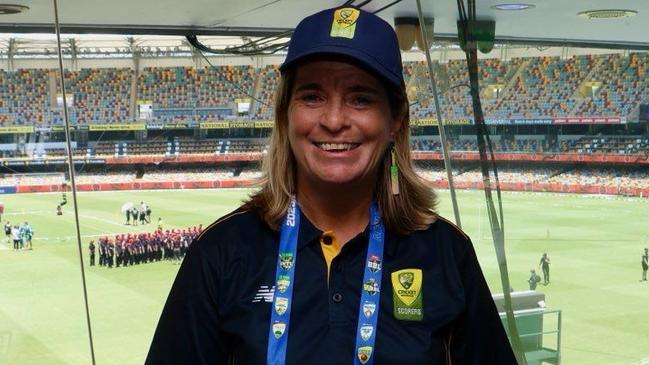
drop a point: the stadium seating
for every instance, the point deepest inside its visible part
(429, 144)
(541, 87)
(99, 96)
(24, 97)
(268, 81)
(625, 83)
(607, 145)
(147, 148)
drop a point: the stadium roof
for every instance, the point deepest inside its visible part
(551, 22)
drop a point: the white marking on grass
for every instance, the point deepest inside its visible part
(101, 219)
(33, 212)
(68, 238)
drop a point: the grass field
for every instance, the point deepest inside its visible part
(594, 243)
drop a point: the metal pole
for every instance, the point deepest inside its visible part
(442, 133)
(72, 179)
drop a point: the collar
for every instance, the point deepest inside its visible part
(391, 242)
(309, 233)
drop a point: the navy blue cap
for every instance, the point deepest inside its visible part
(350, 32)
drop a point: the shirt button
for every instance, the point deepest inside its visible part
(337, 297)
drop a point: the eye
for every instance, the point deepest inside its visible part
(361, 100)
(310, 97)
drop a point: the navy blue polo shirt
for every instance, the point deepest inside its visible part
(219, 308)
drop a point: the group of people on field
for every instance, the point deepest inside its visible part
(134, 249)
(141, 214)
(20, 235)
(544, 264)
(535, 279)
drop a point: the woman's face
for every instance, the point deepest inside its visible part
(339, 124)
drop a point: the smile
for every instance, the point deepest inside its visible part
(337, 147)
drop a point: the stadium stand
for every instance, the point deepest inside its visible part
(517, 88)
(624, 83)
(99, 96)
(24, 97)
(543, 88)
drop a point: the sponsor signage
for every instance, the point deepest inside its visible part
(590, 120)
(13, 163)
(91, 161)
(237, 124)
(215, 125)
(424, 122)
(61, 128)
(264, 124)
(21, 129)
(7, 190)
(518, 121)
(176, 126)
(248, 124)
(59, 161)
(118, 127)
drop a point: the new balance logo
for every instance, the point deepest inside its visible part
(264, 293)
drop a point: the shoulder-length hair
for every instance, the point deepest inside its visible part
(411, 210)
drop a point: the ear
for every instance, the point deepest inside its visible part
(395, 126)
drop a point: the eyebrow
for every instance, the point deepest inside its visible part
(309, 86)
(354, 88)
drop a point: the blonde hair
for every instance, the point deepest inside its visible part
(412, 209)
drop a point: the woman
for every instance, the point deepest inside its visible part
(340, 257)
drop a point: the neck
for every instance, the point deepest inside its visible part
(344, 210)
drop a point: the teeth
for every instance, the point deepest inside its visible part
(336, 146)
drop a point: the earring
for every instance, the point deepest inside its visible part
(394, 172)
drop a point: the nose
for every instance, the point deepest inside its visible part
(334, 117)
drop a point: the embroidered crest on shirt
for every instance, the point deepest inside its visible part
(407, 295)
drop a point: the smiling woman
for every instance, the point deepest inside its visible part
(339, 127)
(356, 270)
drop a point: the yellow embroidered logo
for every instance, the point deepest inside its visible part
(344, 24)
(406, 285)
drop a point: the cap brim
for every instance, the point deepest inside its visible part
(349, 53)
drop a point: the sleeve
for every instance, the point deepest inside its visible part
(188, 331)
(478, 336)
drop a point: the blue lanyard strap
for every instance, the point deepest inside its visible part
(368, 311)
(284, 274)
(284, 278)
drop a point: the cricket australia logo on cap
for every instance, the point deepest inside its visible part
(344, 24)
(407, 295)
(286, 260)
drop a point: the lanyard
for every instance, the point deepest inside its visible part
(368, 311)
